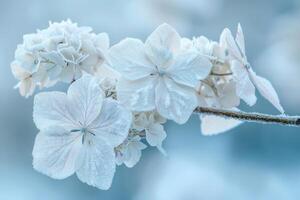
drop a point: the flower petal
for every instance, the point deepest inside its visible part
(227, 95)
(113, 123)
(18, 71)
(70, 73)
(137, 95)
(212, 125)
(140, 121)
(54, 64)
(189, 68)
(97, 164)
(128, 57)
(266, 89)
(101, 41)
(86, 97)
(53, 109)
(174, 101)
(240, 40)
(244, 87)
(227, 40)
(133, 152)
(55, 152)
(161, 44)
(26, 87)
(155, 134)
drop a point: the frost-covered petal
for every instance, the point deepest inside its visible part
(27, 59)
(18, 71)
(155, 117)
(97, 164)
(55, 152)
(174, 101)
(137, 95)
(69, 54)
(86, 97)
(133, 152)
(227, 40)
(54, 57)
(240, 40)
(244, 87)
(101, 41)
(54, 63)
(203, 45)
(140, 121)
(26, 87)
(53, 109)
(70, 73)
(189, 68)
(227, 96)
(163, 42)
(186, 44)
(128, 57)
(155, 134)
(212, 125)
(266, 89)
(113, 123)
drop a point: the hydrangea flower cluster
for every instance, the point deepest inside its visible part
(59, 53)
(119, 97)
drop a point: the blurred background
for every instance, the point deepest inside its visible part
(253, 161)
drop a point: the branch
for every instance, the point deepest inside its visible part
(251, 117)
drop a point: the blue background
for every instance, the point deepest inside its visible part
(253, 161)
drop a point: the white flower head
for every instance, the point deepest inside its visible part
(63, 52)
(73, 50)
(151, 123)
(158, 75)
(130, 151)
(245, 77)
(78, 133)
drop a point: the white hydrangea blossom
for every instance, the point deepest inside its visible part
(231, 78)
(78, 133)
(59, 53)
(151, 124)
(218, 89)
(157, 75)
(130, 151)
(243, 72)
(119, 98)
(145, 125)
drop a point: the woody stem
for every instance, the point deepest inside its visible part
(251, 117)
